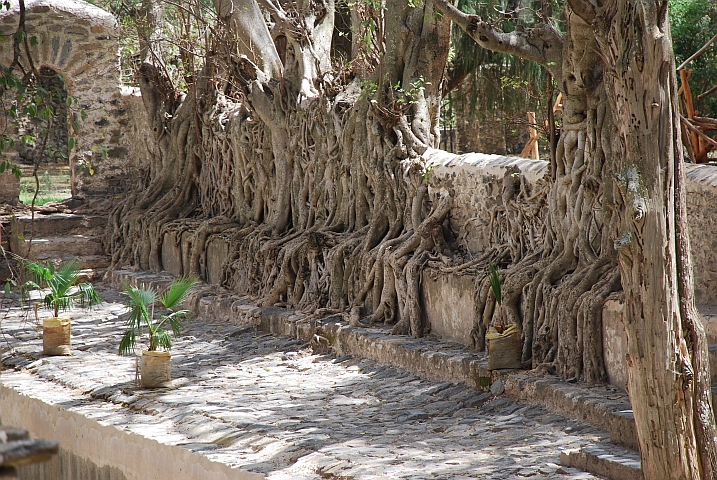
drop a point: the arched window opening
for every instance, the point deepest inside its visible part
(43, 135)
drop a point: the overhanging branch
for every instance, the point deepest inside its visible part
(541, 44)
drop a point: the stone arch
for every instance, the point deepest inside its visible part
(80, 42)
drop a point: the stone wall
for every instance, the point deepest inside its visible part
(9, 188)
(80, 42)
(702, 219)
(96, 450)
(476, 181)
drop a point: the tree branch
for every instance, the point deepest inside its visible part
(246, 21)
(584, 9)
(698, 52)
(280, 17)
(541, 44)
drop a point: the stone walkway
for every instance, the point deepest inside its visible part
(272, 405)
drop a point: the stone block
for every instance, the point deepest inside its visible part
(217, 253)
(448, 304)
(9, 188)
(171, 254)
(614, 342)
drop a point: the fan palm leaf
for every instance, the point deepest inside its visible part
(61, 282)
(177, 292)
(494, 282)
(141, 304)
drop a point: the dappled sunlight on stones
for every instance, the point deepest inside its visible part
(271, 405)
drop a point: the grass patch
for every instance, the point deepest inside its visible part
(42, 198)
(53, 188)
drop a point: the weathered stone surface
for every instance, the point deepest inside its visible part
(448, 304)
(269, 404)
(9, 188)
(69, 44)
(172, 254)
(614, 341)
(605, 407)
(216, 255)
(58, 236)
(604, 459)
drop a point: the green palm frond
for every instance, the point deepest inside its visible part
(66, 275)
(61, 281)
(41, 274)
(128, 342)
(57, 303)
(494, 282)
(177, 292)
(87, 295)
(174, 321)
(141, 303)
(162, 339)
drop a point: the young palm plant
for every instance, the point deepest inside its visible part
(503, 340)
(141, 303)
(64, 292)
(494, 280)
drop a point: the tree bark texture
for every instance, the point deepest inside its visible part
(668, 380)
(319, 185)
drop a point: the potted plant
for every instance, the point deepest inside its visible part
(503, 340)
(155, 368)
(65, 291)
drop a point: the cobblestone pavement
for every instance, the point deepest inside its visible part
(271, 405)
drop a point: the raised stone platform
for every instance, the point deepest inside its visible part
(60, 237)
(245, 397)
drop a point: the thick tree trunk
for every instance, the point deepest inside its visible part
(668, 374)
(320, 184)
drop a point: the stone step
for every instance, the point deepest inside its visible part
(56, 224)
(605, 459)
(58, 247)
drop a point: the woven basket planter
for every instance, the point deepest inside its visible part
(155, 371)
(56, 336)
(503, 348)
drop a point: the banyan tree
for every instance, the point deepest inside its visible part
(302, 137)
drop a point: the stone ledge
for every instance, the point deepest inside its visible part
(107, 445)
(605, 459)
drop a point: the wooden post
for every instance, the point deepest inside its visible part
(532, 145)
(689, 107)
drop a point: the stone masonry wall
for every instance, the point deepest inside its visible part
(476, 181)
(80, 42)
(702, 219)
(9, 188)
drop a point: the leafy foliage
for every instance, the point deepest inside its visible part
(693, 23)
(64, 291)
(180, 46)
(141, 303)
